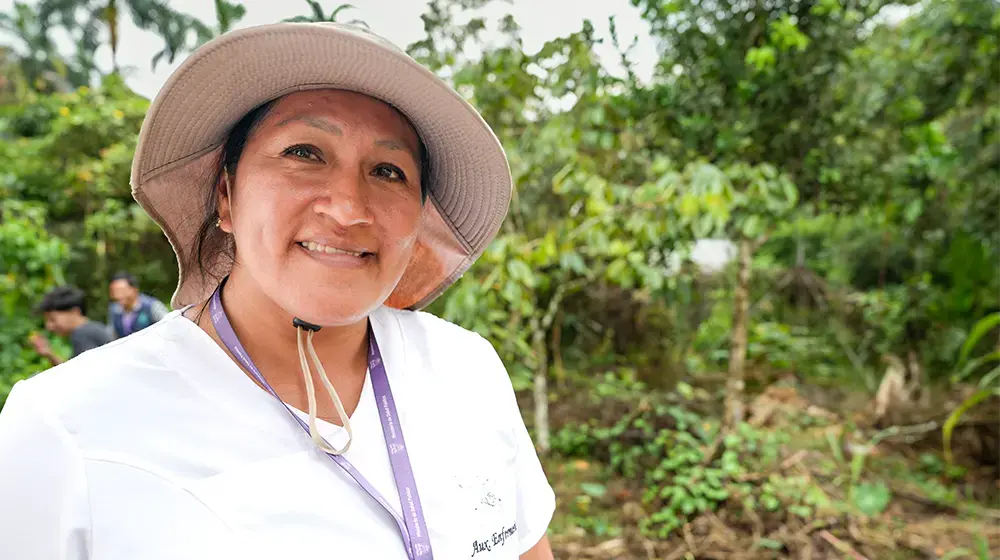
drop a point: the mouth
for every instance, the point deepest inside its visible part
(320, 249)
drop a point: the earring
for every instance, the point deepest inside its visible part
(218, 222)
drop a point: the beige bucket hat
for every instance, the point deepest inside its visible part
(177, 156)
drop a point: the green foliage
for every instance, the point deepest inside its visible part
(318, 15)
(87, 20)
(672, 451)
(988, 387)
(872, 499)
(69, 216)
(32, 263)
(37, 63)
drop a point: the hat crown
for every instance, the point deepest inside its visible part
(361, 31)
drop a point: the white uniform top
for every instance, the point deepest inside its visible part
(158, 446)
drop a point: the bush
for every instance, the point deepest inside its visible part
(32, 260)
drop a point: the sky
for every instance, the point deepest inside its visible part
(396, 20)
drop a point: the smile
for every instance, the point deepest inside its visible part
(314, 247)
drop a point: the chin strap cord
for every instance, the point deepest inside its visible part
(305, 343)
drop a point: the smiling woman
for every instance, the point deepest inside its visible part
(319, 187)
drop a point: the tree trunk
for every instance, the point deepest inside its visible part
(111, 19)
(541, 390)
(555, 347)
(738, 339)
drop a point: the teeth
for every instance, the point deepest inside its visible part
(316, 247)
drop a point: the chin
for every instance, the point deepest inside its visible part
(327, 308)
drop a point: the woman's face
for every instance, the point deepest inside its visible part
(326, 205)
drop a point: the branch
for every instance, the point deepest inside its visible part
(841, 545)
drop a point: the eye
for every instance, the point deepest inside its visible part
(303, 151)
(388, 172)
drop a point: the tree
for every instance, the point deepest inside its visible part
(319, 16)
(226, 17)
(36, 59)
(87, 18)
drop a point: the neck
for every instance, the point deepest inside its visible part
(266, 331)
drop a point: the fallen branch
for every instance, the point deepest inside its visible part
(841, 545)
(794, 459)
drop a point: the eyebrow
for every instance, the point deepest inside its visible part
(390, 145)
(315, 123)
(394, 145)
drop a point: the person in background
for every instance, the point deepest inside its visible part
(65, 315)
(131, 311)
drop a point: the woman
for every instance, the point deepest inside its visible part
(317, 186)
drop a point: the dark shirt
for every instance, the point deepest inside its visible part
(87, 336)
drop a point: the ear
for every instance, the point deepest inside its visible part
(224, 203)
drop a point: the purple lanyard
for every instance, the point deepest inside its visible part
(411, 525)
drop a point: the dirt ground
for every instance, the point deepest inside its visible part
(928, 517)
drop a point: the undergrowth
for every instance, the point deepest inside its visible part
(687, 467)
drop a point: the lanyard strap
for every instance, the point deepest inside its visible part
(412, 526)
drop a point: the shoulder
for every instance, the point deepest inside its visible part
(101, 381)
(432, 334)
(456, 361)
(92, 330)
(423, 321)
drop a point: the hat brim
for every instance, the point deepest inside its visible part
(177, 156)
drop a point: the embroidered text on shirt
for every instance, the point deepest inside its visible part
(498, 539)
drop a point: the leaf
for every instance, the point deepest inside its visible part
(317, 10)
(956, 415)
(804, 512)
(990, 378)
(982, 547)
(751, 227)
(872, 499)
(521, 272)
(573, 261)
(958, 553)
(689, 206)
(616, 270)
(594, 489)
(984, 325)
(974, 365)
(769, 544)
(336, 11)
(913, 211)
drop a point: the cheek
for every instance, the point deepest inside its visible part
(401, 224)
(265, 212)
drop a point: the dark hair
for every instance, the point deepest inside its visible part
(127, 277)
(62, 298)
(211, 241)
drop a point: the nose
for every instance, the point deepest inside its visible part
(345, 200)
